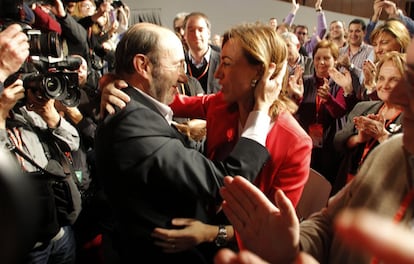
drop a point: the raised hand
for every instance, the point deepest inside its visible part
(269, 87)
(378, 6)
(111, 94)
(44, 107)
(14, 49)
(295, 6)
(8, 99)
(343, 79)
(295, 84)
(318, 4)
(269, 231)
(324, 90)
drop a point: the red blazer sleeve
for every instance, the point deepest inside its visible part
(190, 106)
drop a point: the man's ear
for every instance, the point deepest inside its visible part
(141, 64)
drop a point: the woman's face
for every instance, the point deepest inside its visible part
(388, 78)
(87, 8)
(323, 61)
(235, 74)
(383, 43)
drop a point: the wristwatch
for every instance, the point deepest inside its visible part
(221, 238)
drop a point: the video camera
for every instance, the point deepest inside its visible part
(46, 70)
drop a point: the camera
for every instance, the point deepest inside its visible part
(61, 86)
(54, 80)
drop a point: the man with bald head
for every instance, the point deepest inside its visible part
(150, 174)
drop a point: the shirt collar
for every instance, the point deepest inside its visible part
(164, 109)
(206, 58)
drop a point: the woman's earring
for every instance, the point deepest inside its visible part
(253, 83)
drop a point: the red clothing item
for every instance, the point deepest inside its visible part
(222, 119)
(45, 22)
(290, 147)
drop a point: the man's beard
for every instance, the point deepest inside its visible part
(157, 88)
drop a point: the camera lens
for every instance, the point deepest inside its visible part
(44, 44)
(54, 87)
(72, 98)
(73, 93)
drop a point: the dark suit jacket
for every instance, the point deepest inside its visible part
(150, 176)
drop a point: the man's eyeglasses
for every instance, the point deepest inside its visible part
(301, 33)
(180, 67)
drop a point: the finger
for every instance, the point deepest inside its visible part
(182, 221)
(109, 108)
(164, 234)
(161, 233)
(120, 84)
(167, 247)
(225, 256)
(114, 91)
(12, 30)
(116, 101)
(284, 204)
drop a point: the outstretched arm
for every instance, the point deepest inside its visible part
(288, 20)
(320, 28)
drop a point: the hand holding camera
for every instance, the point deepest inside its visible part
(14, 49)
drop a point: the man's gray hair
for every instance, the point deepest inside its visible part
(291, 37)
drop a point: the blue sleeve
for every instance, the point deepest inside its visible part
(409, 23)
(370, 27)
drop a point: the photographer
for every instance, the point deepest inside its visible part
(22, 128)
(33, 129)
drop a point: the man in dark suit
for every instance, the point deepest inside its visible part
(149, 173)
(201, 58)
